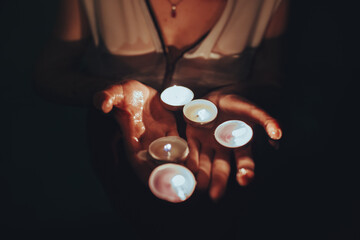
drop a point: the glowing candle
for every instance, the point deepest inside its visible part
(233, 133)
(200, 112)
(176, 97)
(169, 149)
(172, 182)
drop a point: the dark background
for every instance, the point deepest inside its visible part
(46, 180)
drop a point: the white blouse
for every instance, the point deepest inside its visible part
(124, 29)
(127, 28)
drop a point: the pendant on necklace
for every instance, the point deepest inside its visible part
(173, 11)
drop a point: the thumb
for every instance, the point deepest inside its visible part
(106, 99)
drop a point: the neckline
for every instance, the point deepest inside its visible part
(173, 54)
(184, 49)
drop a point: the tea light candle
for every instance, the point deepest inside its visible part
(233, 133)
(169, 149)
(176, 97)
(200, 112)
(172, 182)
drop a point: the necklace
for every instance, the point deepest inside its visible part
(173, 7)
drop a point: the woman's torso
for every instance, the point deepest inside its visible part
(130, 42)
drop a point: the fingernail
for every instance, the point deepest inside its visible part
(244, 176)
(275, 133)
(214, 195)
(107, 105)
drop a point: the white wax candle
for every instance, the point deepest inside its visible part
(233, 133)
(176, 97)
(172, 182)
(200, 111)
(169, 149)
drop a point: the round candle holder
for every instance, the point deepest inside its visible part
(172, 182)
(233, 133)
(175, 97)
(168, 149)
(200, 112)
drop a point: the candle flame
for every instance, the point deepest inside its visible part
(238, 132)
(177, 182)
(203, 114)
(181, 194)
(167, 147)
(239, 135)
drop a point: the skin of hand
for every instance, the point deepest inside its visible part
(209, 160)
(141, 116)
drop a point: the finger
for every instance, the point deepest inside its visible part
(102, 101)
(193, 159)
(273, 129)
(105, 100)
(270, 124)
(172, 132)
(220, 174)
(203, 175)
(142, 166)
(256, 114)
(245, 166)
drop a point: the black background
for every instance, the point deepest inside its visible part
(46, 181)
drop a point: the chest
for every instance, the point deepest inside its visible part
(193, 19)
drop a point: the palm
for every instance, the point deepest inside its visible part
(142, 118)
(209, 160)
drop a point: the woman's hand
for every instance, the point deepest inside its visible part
(209, 160)
(141, 116)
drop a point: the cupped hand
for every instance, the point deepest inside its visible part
(141, 116)
(209, 160)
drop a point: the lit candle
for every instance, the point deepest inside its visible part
(200, 112)
(176, 97)
(233, 133)
(168, 149)
(172, 182)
